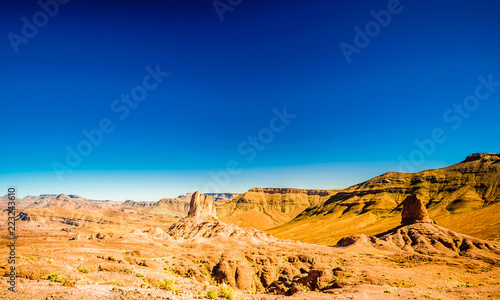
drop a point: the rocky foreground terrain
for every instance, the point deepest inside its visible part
(202, 257)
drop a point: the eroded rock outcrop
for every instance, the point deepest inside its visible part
(414, 211)
(202, 206)
(419, 234)
(431, 239)
(202, 222)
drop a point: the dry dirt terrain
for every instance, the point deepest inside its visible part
(200, 257)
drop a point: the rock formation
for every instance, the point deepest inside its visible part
(264, 208)
(414, 211)
(455, 196)
(175, 207)
(202, 222)
(202, 206)
(431, 239)
(419, 234)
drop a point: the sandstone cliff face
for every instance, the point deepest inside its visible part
(165, 206)
(462, 197)
(264, 208)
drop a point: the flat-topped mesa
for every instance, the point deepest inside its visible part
(414, 211)
(202, 206)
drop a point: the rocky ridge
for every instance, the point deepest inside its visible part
(419, 234)
(464, 197)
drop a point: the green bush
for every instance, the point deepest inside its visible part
(212, 294)
(227, 292)
(54, 277)
(84, 270)
(168, 285)
(139, 275)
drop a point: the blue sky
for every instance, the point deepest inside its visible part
(351, 120)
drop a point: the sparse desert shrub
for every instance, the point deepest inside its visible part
(84, 270)
(227, 292)
(116, 282)
(212, 294)
(51, 261)
(388, 291)
(168, 285)
(145, 284)
(139, 274)
(54, 277)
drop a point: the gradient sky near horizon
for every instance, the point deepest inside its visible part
(353, 121)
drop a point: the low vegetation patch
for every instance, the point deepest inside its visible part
(116, 282)
(227, 292)
(212, 294)
(54, 277)
(168, 285)
(145, 284)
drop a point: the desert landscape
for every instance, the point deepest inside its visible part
(249, 150)
(427, 235)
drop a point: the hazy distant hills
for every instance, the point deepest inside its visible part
(464, 197)
(56, 210)
(175, 206)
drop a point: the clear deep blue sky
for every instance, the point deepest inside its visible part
(352, 120)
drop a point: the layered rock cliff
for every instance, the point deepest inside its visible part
(464, 197)
(166, 206)
(264, 208)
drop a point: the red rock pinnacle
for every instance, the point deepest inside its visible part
(414, 211)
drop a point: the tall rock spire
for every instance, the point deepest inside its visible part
(202, 206)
